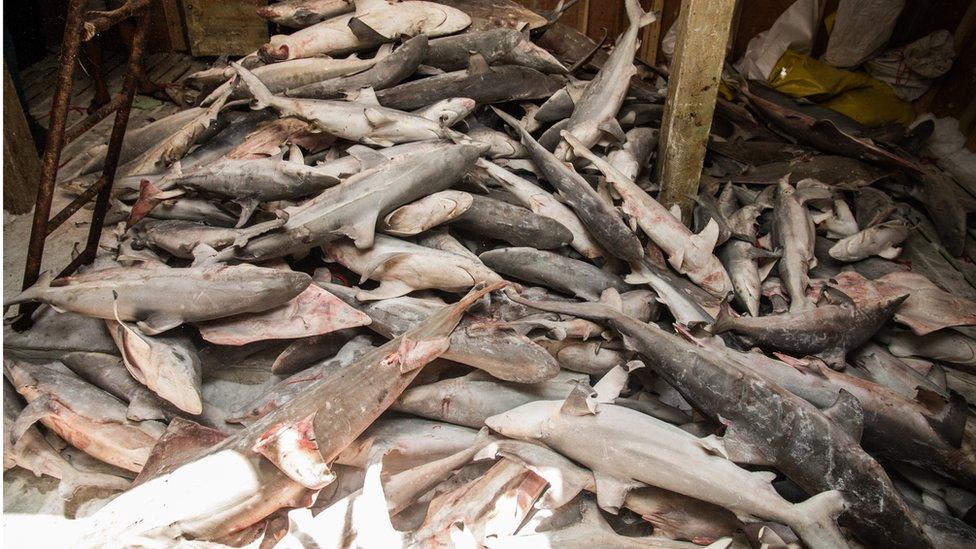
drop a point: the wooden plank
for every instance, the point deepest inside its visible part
(702, 32)
(175, 26)
(651, 35)
(224, 27)
(604, 15)
(21, 166)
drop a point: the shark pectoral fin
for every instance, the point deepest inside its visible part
(611, 491)
(846, 413)
(361, 231)
(367, 157)
(248, 206)
(388, 289)
(203, 254)
(636, 277)
(765, 269)
(477, 64)
(379, 262)
(705, 240)
(158, 323)
(890, 252)
(948, 418)
(766, 476)
(416, 353)
(612, 128)
(365, 32)
(675, 211)
(564, 483)
(376, 117)
(677, 259)
(141, 409)
(741, 450)
(36, 410)
(181, 443)
(611, 384)
(367, 96)
(714, 446)
(835, 358)
(581, 401)
(293, 450)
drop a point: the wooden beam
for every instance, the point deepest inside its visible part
(702, 32)
(21, 166)
(175, 27)
(651, 36)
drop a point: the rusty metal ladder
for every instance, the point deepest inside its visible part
(80, 27)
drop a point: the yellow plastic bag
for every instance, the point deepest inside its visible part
(857, 95)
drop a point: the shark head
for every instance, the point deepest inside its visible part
(527, 422)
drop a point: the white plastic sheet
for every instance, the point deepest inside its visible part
(948, 146)
(795, 29)
(861, 30)
(909, 70)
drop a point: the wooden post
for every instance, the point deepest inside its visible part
(21, 166)
(702, 32)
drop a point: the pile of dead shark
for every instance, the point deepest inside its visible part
(441, 238)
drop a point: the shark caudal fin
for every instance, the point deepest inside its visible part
(637, 16)
(262, 95)
(816, 522)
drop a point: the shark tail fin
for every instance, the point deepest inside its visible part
(71, 483)
(32, 293)
(724, 321)
(817, 524)
(262, 95)
(638, 16)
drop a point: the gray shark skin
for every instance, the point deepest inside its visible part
(297, 73)
(179, 238)
(602, 220)
(513, 224)
(80, 413)
(739, 258)
(134, 144)
(501, 46)
(471, 399)
(640, 439)
(289, 387)
(794, 235)
(596, 111)
(353, 207)
(364, 121)
(387, 72)
(298, 14)
(108, 373)
(560, 273)
(500, 352)
(304, 352)
(401, 267)
(484, 84)
(33, 452)
(374, 22)
(544, 203)
(161, 299)
(271, 464)
(255, 179)
(633, 157)
(766, 423)
(925, 428)
(828, 331)
(879, 239)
